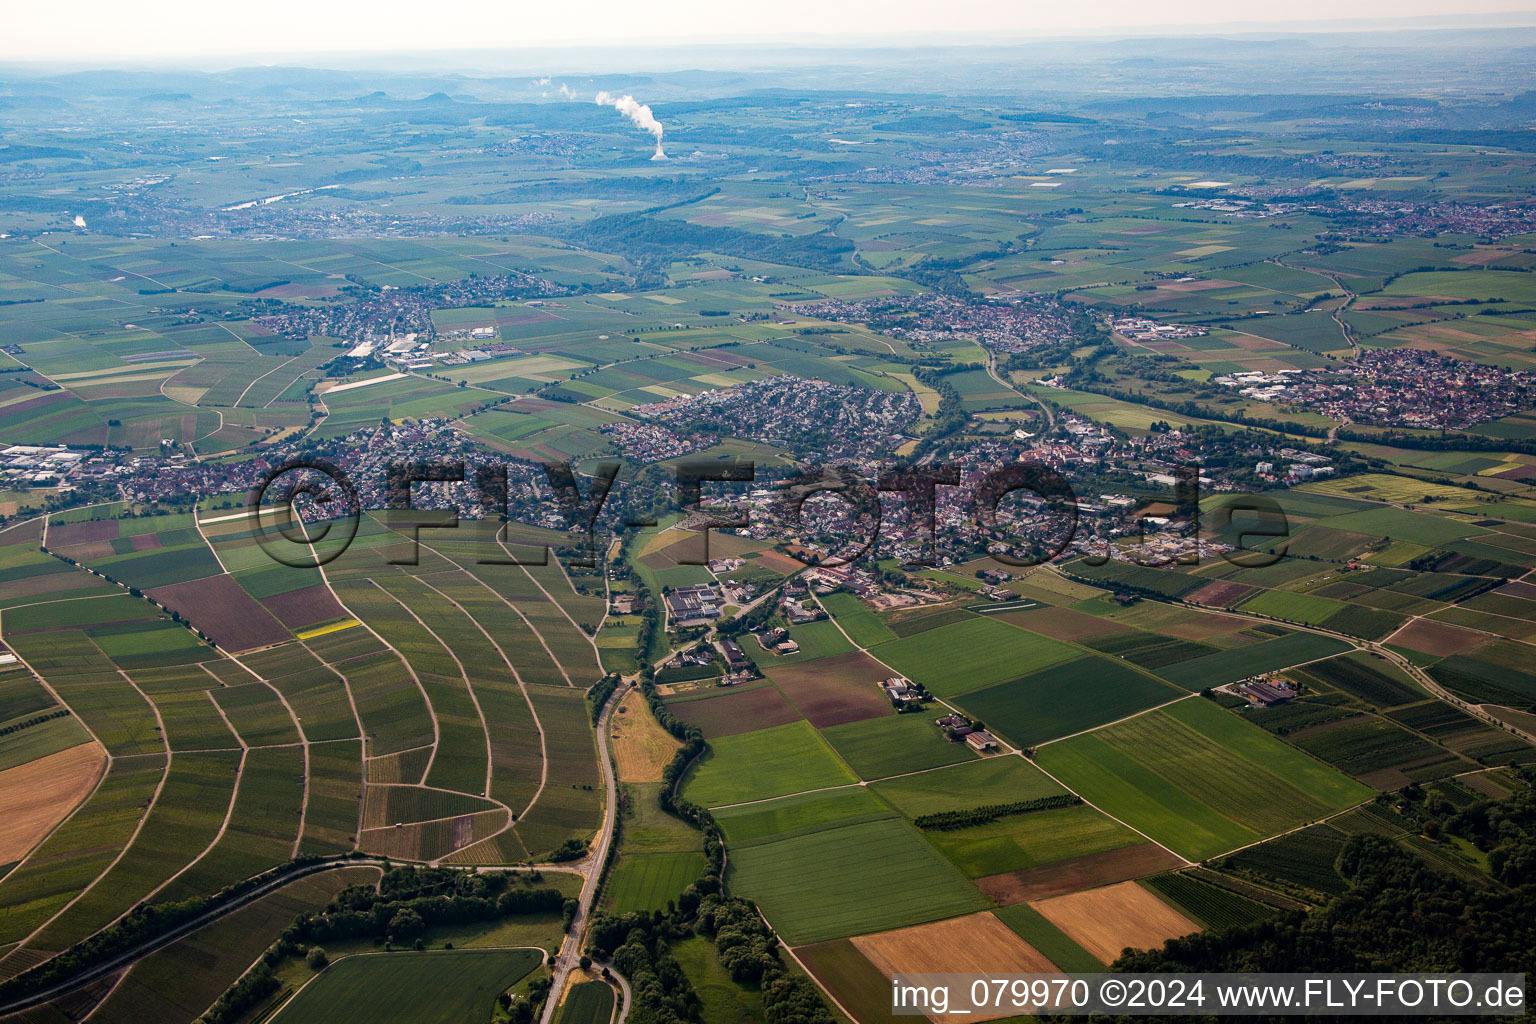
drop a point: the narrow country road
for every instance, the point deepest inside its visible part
(576, 939)
(1050, 413)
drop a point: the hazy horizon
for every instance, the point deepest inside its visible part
(191, 34)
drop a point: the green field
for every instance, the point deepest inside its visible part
(452, 987)
(1253, 659)
(1021, 841)
(753, 824)
(767, 763)
(726, 1001)
(590, 1002)
(972, 784)
(894, 744)
(968, 655)
(1027, 923)
(1065, 699)
(844, 881)
(649, 881)
(1206, 904)
(40, 740)
(1199, 780)
(816, 639)
(856, 618)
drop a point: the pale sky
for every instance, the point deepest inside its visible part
(196, 30)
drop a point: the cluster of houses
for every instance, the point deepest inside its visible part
(649, 442)
(735, 658)
(799, 613)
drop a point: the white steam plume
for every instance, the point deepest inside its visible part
(567, 91)
(637, 112)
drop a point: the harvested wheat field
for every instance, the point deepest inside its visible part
(37, 795)
(975, 944)
(641, 747)
(1108, 920)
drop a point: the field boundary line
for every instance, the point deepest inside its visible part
(786, 796)
(522, 688)
(510, 604)
(236, 403)
(361, 731)
(81, 804)
(1126, 718)
(485, 729)
(154, 802)
(229, 814)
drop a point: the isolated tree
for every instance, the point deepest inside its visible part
(317, 960)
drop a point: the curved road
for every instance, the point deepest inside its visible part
(1050, 413)
(575, 941)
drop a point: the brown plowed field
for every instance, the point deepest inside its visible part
(835, 690)
(853, 981)
(217, 606)
(95, 531)
(1086, 872)
(1219, 594)
(1436, 637)
(736, 710)
(308, 606)
(1117, 917)
(1063, 623)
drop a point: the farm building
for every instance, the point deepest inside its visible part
(694, 604)
(980, 739)
(799, 614)
(900, 691)
(1266, 693)
(955, 726)
(735, 657)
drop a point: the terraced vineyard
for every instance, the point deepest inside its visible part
(417, 714)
